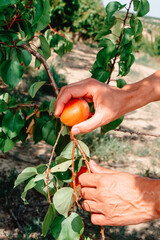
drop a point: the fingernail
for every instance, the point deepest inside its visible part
(75, 131)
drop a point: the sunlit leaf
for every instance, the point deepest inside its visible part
(24, 175)
(63, 200)
(67, 228)
(62, 167)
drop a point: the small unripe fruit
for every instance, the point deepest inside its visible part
(75, 111)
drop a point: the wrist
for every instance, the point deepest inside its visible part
(141, 93)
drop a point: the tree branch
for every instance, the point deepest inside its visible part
(45, 64)
(119, 41)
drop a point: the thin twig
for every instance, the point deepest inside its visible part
(45, 64)
(73, 176)
(50, 160)
(102, 233)
(136, 132)
(23, 105)
(82, 153)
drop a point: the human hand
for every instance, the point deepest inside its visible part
(108, 103)
(118, 198)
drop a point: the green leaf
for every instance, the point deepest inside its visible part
(11, 72)
(44, 106)
(112, 7)
(60, 159)
(49, 218)
(42, 188)
(121, 83)
(38, 11)
(44, 19)
(67, 151)
(45, 47)
(35, 87)
(3, 106)
(63, 200)
(136, 24)
(102, 33)
(41, 168)
(136, 4)
(12, 124)
(24, 175)
(127, 36)
(62, 167)
(49, 132)
(7, 2)
(51, 105)
(67, 228)
(112, 125)
(39, 177)
(60, 44)
(143, 8)
(6, 144)
(100, 74)
(107, 53)
(31, 184)
(27, 57)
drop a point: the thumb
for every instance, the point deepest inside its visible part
(88, 125)
(95, 168)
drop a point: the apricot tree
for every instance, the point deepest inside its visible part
(21, 22)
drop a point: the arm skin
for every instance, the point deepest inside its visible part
(110, 102)
(115, 198)
(119, 198)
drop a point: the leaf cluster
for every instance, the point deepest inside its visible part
(58, 219)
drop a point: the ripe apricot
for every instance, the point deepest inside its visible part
(82, 170)
(74, 112)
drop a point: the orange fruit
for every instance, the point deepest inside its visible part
(75, 111)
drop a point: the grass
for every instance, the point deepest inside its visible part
(107, 147)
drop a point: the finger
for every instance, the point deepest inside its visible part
(95, 168)
(98, 219)
(90, 206)
(88, 193)
(89, 180)
(68, 92)
(88, 125)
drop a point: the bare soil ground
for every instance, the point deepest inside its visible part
(76, 66)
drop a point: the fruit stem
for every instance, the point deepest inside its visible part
(81, 151)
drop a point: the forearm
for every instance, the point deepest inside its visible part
(141, 93)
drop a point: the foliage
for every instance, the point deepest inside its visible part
(148, 46)
(79, 16)
(20, 23)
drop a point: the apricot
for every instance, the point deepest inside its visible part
(75, 111)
